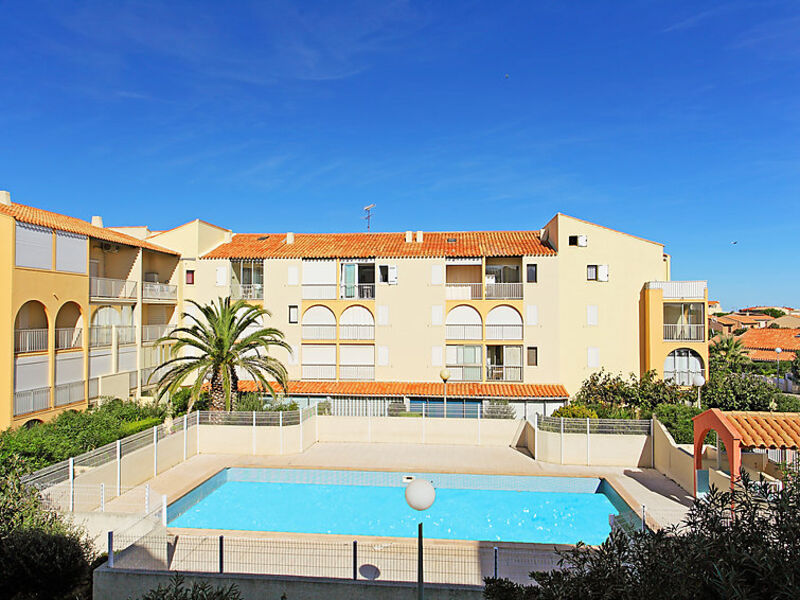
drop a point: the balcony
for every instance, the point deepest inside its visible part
(319, 291)
(126, 334)
(679, 290)
(503, 332)
(504, 291)
(30, 340)
(151, 333)
(503, 373)
(69, 393)
(464, 291)
(68, 338)
(356, 332)
(159, 291)
(684, 333)
(29, 401)
(464, 332)
(319, 332)
(247, 291)
(465, 372)
(100, 335)
(319, 372)
(357, 372)
(103, 288)
(357, 291)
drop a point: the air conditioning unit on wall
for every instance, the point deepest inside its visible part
(151, 277)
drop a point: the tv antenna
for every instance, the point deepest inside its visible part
(368, 210)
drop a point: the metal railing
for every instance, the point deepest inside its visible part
(319, 291)
(120, 289)
(684, 332)
(94, 388)
(504, 291)
(591, 426)
(30, 340)
(679, 290)
(504, 332)
(247, 291)
(464, 291)
(151, 333)
(144, 377)
(126, 334)
(356, 332)
(69, 393)
(319, 332)
(28, 401)
(100, 335)
(69, 337)
(319, 372)
(357, 372)
(159, 291)
(504, 373)
(683, 378)
(464, 332)
(358, 291)
(465, 372)
(133, 380)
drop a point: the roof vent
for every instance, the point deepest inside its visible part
(97, 221)
(290, 238)
(408, 237)
(261, 238)
(419, 237)
(228, 237)
(451, 240)
(5, 198)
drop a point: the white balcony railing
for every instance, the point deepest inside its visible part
(503, 373)
(126, 334)
(357, 291)
(69, 337)
(684, 332)
(144, 377)
(465, 372)
(69, 393)
(29, 401)
(319, 372)
(151, 333)
(120, 289)
(503, 291)
(680, 290)
(247, 291)
(684, 378)
(30, 340)
(319, 332)
(319, 291)
(159, 291)
(463, 291)
(504, 332)
(356, 332)
(463, 332)
(100, 335)
(357, 372)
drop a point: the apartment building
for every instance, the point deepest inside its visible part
(523, 316)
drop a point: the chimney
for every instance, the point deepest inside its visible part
(228, 237)
(419, 237)
(5, 198)
(408, 237)
(97, 221)
(290, 238)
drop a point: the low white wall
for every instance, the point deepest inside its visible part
(596, 449)
(672, 460)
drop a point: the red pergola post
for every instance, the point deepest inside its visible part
(714, 419)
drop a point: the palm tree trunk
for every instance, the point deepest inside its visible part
(217, 392)
(234, 387)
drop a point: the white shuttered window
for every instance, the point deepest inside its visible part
(70, 252)
(34, 246)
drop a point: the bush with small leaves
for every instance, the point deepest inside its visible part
(177, 589)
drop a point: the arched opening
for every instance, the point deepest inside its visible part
(319, 323)
(463, 323)
(682, 365)
(104, 319)
(69, 326)
(356, 323)
(30, 328)
(503, 323)
(32, 423)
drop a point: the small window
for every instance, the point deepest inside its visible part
(533, 356)
(383, 273)
(532, 273)
(292, 313)
(190, 277)
(573, 240)
(591, 272)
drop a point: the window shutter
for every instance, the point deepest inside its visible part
(292, 276)
(437, 275)
(593, 357)
(383, 356)
(34, 246)
(222, 276)
(436, 356)
(532, 314)
(393, 274)
(383, 315)
(602, 272)
(437, 314)
(70, 252)
(592, 314)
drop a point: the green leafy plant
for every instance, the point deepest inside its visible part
(499, 409)
(177, 589)
(180, 401)
(575, 411)
(677, 418)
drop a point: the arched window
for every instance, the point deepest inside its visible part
(463, 323)
(356, 323)
(682, 365)
(69, 326)
(30, 328)
(319, 323)
(503, 323)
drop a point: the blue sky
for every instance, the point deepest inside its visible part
(675, 121)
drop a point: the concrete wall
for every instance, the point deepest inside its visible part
(597, 449)
(672, 460)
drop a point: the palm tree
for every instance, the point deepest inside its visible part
(729, 349)
(229, 336)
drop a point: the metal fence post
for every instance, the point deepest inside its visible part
(280, 429)
(147, 498)
(588, 444)
(479, 422)
(164, 510)
(253, 436)
(102, 497)
(110, 549)
(119, 468)
(369, 421)
(423, 421)
(198, 433)
(535, 436)
(562, 440)
(71, 484)
(644, 523)
(300, 412)
(495, 562)
(185, 435)
(316, 422)
(221, 554)
(155, 450)
(355, 560)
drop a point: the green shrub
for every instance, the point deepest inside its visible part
(324, 407)
(788, 403)
(575, 411)
(677, 418)
(180, 401)
(499, 409)
(127, 429)
(177, 589)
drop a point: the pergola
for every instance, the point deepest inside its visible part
(744, 430)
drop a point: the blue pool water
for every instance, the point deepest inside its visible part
(558, 510)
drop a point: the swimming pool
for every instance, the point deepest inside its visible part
(558, 510)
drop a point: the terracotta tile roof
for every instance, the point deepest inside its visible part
(745, 319)
(769, 339)
(770, 355)
(758, 308)
(413, 388)
(45, 218)
(766, 429)
(384, 245)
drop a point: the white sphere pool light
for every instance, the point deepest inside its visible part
(420, 494)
